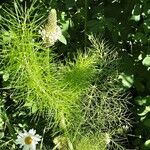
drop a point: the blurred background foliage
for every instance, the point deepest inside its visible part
(125, 24)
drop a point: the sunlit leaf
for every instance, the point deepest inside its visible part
(146, 110)
(135, 18)
(146, 61)
(127, 80)
(143, 101)
(147, 144)
(63, 40)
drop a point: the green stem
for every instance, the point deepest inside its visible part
(63, 125)
(8, 124)
(41, 145)
(85, 23)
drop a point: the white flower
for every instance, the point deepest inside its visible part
(51, 31)
(50, 37)
(28, 140)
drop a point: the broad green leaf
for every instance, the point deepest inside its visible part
(142, 118)
(135, 18)
(143, 101)
(136, 12)
(63, 40)
(146, 110)
(140, 57)
(127, 80)
(146, 122)
(63, 15)
(1, 72)
(146, 61)
(147, 144)
(148, 11)
(65, 25)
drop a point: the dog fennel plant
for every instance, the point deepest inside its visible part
(83, 96)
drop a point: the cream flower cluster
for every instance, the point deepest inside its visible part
(28, 140)
(50, 38)
(51, 31)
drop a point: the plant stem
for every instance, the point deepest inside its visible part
(85, 23)
(10, 128)
(63, 125)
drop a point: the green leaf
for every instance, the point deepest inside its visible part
(140, 57)
(63, 15)
(127, 80)
(146, 122)
(63, 40)
(143, 101)
(135, 18)
(147, 144)
(146, 61)
(136, 12)
(65, 25)
(146, 110)
(137, 9)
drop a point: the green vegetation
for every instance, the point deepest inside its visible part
(61, 75)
